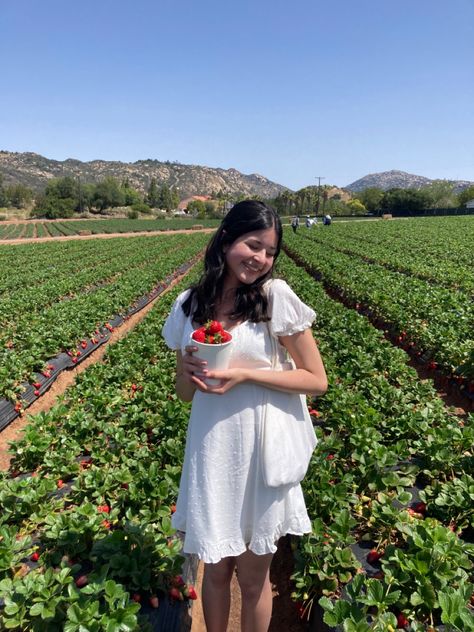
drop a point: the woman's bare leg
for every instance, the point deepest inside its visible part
(253, 574)
(216, 594)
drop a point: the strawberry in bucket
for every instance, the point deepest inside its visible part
(213, 345)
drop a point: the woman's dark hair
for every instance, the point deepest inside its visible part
(250, 301)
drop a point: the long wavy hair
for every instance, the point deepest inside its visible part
(250, 301)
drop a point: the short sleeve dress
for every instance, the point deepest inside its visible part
(223, 506)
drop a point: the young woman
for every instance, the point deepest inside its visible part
(231, 520)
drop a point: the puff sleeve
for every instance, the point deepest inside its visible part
(175, 323)
(289, 314)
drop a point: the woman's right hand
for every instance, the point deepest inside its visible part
(192, 366)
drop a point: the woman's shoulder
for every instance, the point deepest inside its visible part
(277, 287)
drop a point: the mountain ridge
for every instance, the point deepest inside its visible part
(400, 179)
(34, 171)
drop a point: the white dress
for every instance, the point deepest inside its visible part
(223, 506)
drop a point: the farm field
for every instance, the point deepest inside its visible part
(63, 292)
(390, 488)
(57, 228)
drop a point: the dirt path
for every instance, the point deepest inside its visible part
(153, 233)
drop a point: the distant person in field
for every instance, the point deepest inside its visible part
(308, 221)
(229, 517)
(327, 220)
(295, 222)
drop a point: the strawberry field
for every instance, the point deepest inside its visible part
(37, 229)
(85, 533)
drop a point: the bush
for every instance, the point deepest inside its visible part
(141, 207)
(132, 214)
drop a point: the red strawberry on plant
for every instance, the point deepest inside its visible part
(402, 621)
(154, 601)
(190, 593)
(420, 507)
(176, 594)
(34, 557)
(82, 581)
(373, 556)
(60, 483)
(177, 581)
(136, 597)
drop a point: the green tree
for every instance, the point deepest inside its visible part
(404, 201)
(19, 195)
(174, 198)
(153, 194)
(4, 201)
(165, 199)
(440, 194)
(370, 198)
(465, 195)
(108, 194)
(356, 207)
(197, 208)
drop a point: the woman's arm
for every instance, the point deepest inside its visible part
(309, 376)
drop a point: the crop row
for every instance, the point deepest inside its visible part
(436, 321)
(390, 487)
(96, 227)
(442, 265)
(49, 318)
(86, 537)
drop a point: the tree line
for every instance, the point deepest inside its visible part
(65, 196)
(375, 201)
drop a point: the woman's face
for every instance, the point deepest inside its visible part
(250, 256)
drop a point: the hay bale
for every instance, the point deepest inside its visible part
(197, 227)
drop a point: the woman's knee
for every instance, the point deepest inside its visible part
(220, 574)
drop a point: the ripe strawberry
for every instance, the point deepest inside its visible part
(402, 621)
(199, 335)
(134, 387)
(35, 556)
(226, 336)
(37, 393)
(190, 593)
(83, 344)
(136, 597)
(419, 507)
(18, 407)
(432, 365)
(103, 508)
(373, 556)
(154, 601)
(37, 384)
(176, 594)
(211, 340)
(106, 524)
(213, 327)
(82, 581)
(60, 483)
(177, 581)
(329, 457)
(46, 373)
(173, 508)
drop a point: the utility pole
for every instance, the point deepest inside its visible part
(319, 190)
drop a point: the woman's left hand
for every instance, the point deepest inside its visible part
(228, 379)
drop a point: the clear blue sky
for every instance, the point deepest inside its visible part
(290, 90)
